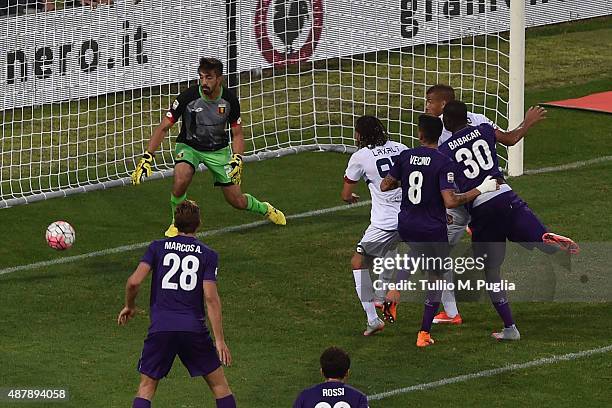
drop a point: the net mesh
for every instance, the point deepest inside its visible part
(85, 83)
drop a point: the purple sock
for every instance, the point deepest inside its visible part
(503, 310)
(141, 403)
(428, 314)
(226, 402)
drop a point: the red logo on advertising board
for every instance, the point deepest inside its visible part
(288, 31)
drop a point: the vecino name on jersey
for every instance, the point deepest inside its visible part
(420, 160)
(177, 246)
(332, 392)
(463, 140)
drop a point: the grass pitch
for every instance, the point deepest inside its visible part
(288, 292)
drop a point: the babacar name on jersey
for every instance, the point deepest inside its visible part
(463, 140)
(177, 246)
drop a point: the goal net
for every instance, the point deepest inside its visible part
(83, 83)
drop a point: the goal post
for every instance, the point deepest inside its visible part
(516, 100)
(81, 88)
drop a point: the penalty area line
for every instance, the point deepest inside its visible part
(140, 245)
(492, 372)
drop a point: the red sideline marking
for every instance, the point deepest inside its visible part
(599, 102)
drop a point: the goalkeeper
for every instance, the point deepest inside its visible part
(206, 109)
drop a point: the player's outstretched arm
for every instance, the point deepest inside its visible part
(144, 168)
(454, 200)
(389, 183)
(131, 291)
(213, 308)
(534, 115)
(347, 194)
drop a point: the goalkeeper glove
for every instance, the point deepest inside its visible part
(236, 172)
(488, 185)
(143, 169)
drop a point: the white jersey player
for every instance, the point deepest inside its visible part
(371, 163)
(458, 218)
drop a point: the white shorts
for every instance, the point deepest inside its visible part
(458, 218)
(377, 242)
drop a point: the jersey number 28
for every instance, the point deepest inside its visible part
(189, 265)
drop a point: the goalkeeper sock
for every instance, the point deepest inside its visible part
(256, 206)
(141, 403)
(174, 201)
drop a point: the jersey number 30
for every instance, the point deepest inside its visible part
(189, 265)
(482, 152)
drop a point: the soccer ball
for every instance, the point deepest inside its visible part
(60, 235)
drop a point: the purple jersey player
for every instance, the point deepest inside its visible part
(184, 275)
(333, 393)
(499, 215)
(427, 180)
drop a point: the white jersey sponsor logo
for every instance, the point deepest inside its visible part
(372, 165)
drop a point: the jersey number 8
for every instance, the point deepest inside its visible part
(189, 265)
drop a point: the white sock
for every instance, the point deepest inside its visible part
(365, 292)
(449, 304)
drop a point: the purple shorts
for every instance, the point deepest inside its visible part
(505, 217)
(196, 351)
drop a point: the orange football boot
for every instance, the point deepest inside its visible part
(424, 339)
(561, 242)
(389, 311)
(443, 318)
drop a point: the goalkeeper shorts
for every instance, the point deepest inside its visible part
(217, 161)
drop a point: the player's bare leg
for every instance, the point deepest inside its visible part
(234, 196)
(146, 391)
(183, 174)
(220, 388)
(365, 292)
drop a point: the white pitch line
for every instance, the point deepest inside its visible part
(569, 166)
(140, 245)
(492, 372)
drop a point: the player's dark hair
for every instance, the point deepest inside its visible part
(454, 115)
(446, 92)
(371, 131)
(211, 64)
(335, 363)
(430, 127)
(187, 217)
